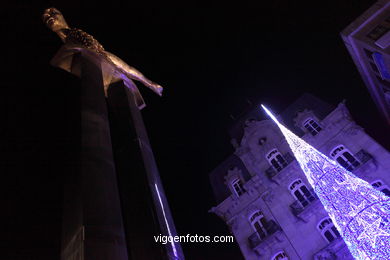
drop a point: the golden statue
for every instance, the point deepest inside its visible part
(76, 40)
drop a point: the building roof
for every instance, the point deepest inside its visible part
(217, 177)
(307, 101)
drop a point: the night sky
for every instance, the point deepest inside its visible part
(211, 60)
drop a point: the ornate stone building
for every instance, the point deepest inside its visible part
(263, 195)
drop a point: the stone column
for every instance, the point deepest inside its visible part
(96, 196)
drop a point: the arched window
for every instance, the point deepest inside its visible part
(312, 126)
(344, 158)
(379, 185)
(301, 192)
(259, 223)
(328, 230)
(237, 186)
(281, 255)
(276, 160)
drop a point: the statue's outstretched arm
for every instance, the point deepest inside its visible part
(133, 73)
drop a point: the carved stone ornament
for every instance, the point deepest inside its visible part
(232, 173)
(353, 130)
(233, 224)
(218, 212)
(250, 210)
(269, 196)
(303, 115)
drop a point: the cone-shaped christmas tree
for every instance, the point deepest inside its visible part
(360, 212)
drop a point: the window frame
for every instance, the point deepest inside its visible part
(276, 160)
(381, 187)
(339, 152)
(307, 196)
(308, 125)
(259, 219)
(281, 252)
(241, 190)
(330, 227)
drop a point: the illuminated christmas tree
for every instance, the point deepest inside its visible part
(360, 212)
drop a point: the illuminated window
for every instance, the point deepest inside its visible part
(258, 223)
(328, 230)
(312, 126)
(379, 185)
(281, 255)
(344, 158)
(238, 186)
(276, 160)
(299, 190)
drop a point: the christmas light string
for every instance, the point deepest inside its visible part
(360, 212)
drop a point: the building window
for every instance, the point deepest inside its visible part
(374, 67)
(381, 64)
(384, 82)
(301, 193)
(281, 255)
(377, 32)
(312, 126)
(368, 53)
(379, 185)
(344, 158)
(276, 160)
(328, 230)
(259, 223)
(238, 186)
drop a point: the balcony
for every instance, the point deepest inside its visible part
(337, 249)
(271, 171)
(363, 156)
(258, 237)
(298, 207)
(367, 163)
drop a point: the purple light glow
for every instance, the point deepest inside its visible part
(360, 212)
(166, 222)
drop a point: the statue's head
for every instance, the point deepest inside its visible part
(54, 19)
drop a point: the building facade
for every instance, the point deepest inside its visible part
(263, 195)
(368, 42)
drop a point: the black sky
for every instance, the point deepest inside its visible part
(211, 58)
